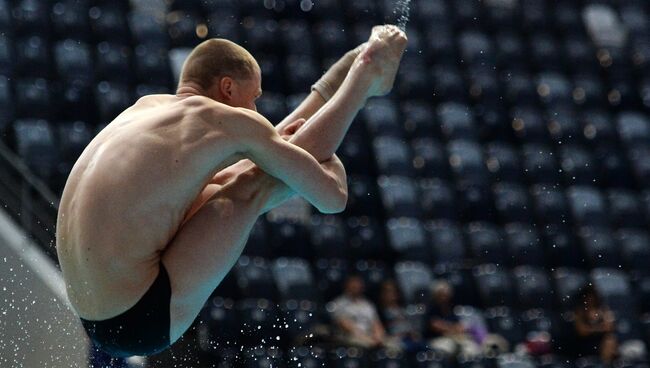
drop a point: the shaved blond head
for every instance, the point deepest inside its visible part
(217, 58)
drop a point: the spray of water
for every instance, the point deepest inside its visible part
(402, 11)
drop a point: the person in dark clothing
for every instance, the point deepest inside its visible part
(595, 326)
(398, 326)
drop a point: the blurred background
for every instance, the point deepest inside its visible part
(499, 204)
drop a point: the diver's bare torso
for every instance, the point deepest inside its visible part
(129, 193)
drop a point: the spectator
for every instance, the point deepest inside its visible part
(400, 329)
(356, 319)
(446, 333)
(594, 327)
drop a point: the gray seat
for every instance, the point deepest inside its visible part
(415, 279)
(294, 279)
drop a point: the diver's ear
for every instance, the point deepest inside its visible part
(226, 87)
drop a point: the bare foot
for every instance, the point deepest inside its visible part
(381, 56)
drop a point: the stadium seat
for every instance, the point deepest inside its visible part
(625, 209)
(293, 278)
(560, 246)
(413, 79)
(112, 98)
(289, 237)
(272, 106)
(437, 199)
(533, 287)
(503, 321)
(614, 287)
(108, 22)
(303, 356)
(503, 162)
(550, 204)
(399, 195)
(365, 239)
(467, 162)
(374, 273)
(389, 359)
(330, 274)
(261, 356)
(408, 239)
(149, 28)
(419, 119)
(515, 361)
(512, 203)
(382, 117)
(70, 19)
(640, 166)
(525, 245)
(220, 320)
(34, 98)
(261, 34)
(633, 127)
(635, 244)
(563, 125)
(447, 81)
(446, 241)
(540, 164)
(599, 247)
(393, 156)
(588, 205)
(152, 64)
(35, 143)
(495, 286)
(519, 89)
(414, 279)
(456, 121)
(297, 38)
(6, 104)
(429, 158)
(32, 57)
(328, 236)
(73, 61)
(577, 164)
(568, 283)
(298, 318)
(331, 38)
(486, 243)
(254, 278)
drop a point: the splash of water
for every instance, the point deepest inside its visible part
(403, 11)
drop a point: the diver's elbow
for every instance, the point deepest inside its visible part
(339, 202)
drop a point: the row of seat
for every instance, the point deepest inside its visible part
(486, 285)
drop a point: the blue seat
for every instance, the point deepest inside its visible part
(363, 195)
(462, 281)
(534, 15)
(112, 99)
(643, 291)
(348, 357)
(441, 42)
(640, 165)
(510, 49)
(476, 47)
(528, 124)
(437, 199)
(483, 84)
(625, 209)
(447, 81)
(374, 273)
(147, 28)
(389, 359)
(30, 16)
(635, 244)
(563, 125)
(5, 15)
(519, 88)
(412, 78)
(331, 38)
(328, 236)
(36, 145)
(72, 139)
(419, 119)
(615, 170)
(330, 275)
(457, 121)
(579, 53)
(502, 321)
(297, 38)
(446, 241)
(415, 279)
(561, 249)
(272, 106)
(261, 34)
(393, 156)
(408, 239)
(588, 205)
(73, 61)
(399, 196)
(512, 203)
(254, 278)
(303, 356)
(495, 287)
(486, 243)
(533, 286)
(503, 162)
(467, 162)
(108, 21)
(515, 361)
(365, 238)
(288, 237)
(568, 286)
(152, 64)
(475, 202)
(525, 245)
(550, 204)
(599, 246)
(225, 25)
(577, 164)
(429, 158)
(633, 127)
(589, 91)
(70, 18)
(598, 127)
(382, 117)
(614, 287)
(113, 62)
(546, 56)
(293, 277)
(32, 57)
(34, 98)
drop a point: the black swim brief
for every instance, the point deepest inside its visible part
(141, 330)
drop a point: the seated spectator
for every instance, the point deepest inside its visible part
(594, 327)
(356, 319)
(445, 331)
(398, 325)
